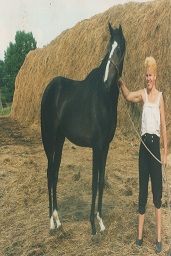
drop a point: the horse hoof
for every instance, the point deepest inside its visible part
(102, 232)
(62, 232)
(95, 238)
(52, 232)
(58, 225)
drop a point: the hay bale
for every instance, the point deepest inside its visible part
(78, 50)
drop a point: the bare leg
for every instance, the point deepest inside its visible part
(141, 218)
(158, 213)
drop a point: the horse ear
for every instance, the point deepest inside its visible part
(111, 29)
(120, 28)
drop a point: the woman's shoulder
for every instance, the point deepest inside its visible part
(141, 91)
(159, 92)
(159, 97)
(143, 94)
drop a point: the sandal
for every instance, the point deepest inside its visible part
(139, 242)
(158, 247)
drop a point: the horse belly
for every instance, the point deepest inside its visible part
(78, 135)
(80, 141)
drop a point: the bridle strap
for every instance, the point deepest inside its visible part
(115, 65)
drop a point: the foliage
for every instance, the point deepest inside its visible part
(1, 72)
(13, 60)
(6, 110)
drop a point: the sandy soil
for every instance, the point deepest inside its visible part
(24, 199)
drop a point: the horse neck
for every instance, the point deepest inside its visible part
(113, 95)
(113, 92)
(104, 63)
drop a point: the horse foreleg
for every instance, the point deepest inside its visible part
(99, 213)
(94, 193)
(94, 189)
(101, 186)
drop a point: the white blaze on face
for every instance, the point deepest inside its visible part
(114, 45)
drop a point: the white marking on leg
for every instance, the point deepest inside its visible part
(114, 45)
(102, 227)
(56, 218)
(52, 225)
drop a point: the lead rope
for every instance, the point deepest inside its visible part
(168, 201)
(163, 168)
(138, 133)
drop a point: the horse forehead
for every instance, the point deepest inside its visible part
(120, 41)
(118, 37)
(114, 45)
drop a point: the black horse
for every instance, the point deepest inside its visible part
(85, 112)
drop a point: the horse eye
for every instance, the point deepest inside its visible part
(118, 50)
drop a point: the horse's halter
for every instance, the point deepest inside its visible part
(115, 65)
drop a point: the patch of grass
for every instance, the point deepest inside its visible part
(6, 110)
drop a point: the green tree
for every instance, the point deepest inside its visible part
(1, 83)
(13, 60)
(1, 73)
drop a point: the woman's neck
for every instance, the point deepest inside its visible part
(152, 91)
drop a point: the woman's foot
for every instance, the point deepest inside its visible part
(139, 242)
(158, 247)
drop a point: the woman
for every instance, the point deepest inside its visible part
(153, 119)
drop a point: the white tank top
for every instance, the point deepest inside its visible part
(151, 116)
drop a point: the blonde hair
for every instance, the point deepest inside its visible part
(150, 63)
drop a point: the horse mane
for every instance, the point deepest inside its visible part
(98, 72)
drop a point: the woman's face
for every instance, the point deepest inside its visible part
(150, 78)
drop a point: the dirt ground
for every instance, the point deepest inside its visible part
(24, 222)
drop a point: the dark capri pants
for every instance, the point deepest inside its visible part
(150, 167)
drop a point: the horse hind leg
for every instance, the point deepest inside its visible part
(50, 182)
(56, 166)
(102, 227)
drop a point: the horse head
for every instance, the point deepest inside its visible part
(116, 53)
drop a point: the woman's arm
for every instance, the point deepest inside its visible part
(130, 96)
(163, 130)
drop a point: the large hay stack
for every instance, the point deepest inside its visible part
(77, 51)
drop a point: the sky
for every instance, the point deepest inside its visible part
(46, 19)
